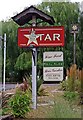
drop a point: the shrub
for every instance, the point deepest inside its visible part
(39, 83)
(70, 95)
(66, 85)
(73, 82)
(62, 110)
(20, 103)
(77, 85)
(40, 90)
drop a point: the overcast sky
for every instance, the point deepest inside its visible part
(8, 8)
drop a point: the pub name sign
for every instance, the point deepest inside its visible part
(41, 36)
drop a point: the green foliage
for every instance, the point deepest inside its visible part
(5, 111)
(70, 95)
(62, 109)
(78, 85)
(39, 83)
(63, 85)
(0, 65)
(40, 90)
(23, 61)
(73, 82)
(67, 85)
(23, 64)
(64, 13)
(20, 103)
(0, 111)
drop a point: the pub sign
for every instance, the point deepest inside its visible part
(41, 36)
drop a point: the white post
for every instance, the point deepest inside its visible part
(4, 61)
(34, 71)
(34, 77)
(74, 48)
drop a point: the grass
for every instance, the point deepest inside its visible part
(0, 65)
(62, 109)
(0, 112)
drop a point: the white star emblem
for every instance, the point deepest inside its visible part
(32, 37)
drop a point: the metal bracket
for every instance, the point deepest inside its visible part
(34, 52)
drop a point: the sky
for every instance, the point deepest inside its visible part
(9, 8)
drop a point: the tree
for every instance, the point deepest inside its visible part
(23, 64)
(64, 14)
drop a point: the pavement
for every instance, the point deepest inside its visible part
(7, 86)
(11, 85)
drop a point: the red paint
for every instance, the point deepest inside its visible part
(47, 36)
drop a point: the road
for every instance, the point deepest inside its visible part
(7, 86)
(10, 86)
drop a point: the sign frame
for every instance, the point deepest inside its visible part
(44, 36)
(53, 68)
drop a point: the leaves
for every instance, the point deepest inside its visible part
(64, 14)
(19, 103)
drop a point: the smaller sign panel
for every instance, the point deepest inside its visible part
(53, 56)
(53, 66)
(41, 36)
(53, 73)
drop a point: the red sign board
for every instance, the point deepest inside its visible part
(41, 36)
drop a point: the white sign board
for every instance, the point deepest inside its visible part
(53, 66)
(53, 56)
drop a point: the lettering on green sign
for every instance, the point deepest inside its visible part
(53, 63)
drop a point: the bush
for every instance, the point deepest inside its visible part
(20, 103)
(39, 83)
(40, 90)
(70, 95)
(77, 85)
(73, 83)
(66, 85)
(62, 110)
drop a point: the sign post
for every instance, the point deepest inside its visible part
(74, 61)
(34, 78)
(74, 31)
(4, 40)
(4, 61)
(34, 69)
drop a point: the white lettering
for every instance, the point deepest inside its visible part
(56, 36)
(41, 36)
(47, 37)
